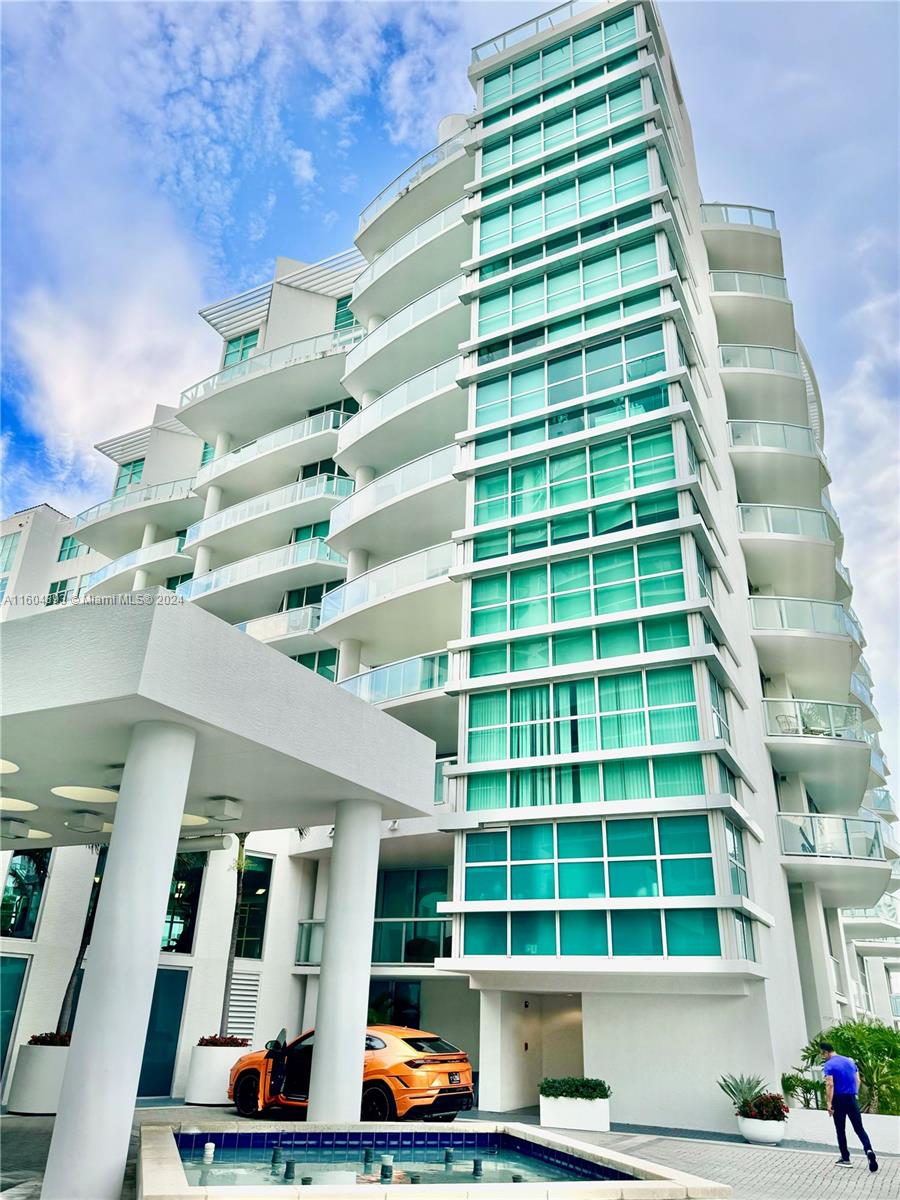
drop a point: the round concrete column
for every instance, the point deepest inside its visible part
(96, 1105)
(349, 651)
(341, 1013)
(362, 476)
(211, 506)
(357, 563)
(222, 444)
(149, 535)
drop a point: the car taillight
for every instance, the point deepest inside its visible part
(434, 1062)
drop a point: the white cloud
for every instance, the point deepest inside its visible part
(301, 165)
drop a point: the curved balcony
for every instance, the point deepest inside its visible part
(822, 743)
(115, 526)
(409, 508)
(268, 520)
(752, 306)
(412, 691)
(762, 382)
(878, 768)
(788, 549)
(862, 692)
(880, 801)
(400, 608)
(814, 643)
(427, 410)
(423, 188)
(740, 237)
(268, 390)
(843, 855)
(777, 463)
(159, 562)
(257, 585)
(420, 259)
(843, 585)
(291, 632)
(274, 459)
(428, 329)
(882, 920)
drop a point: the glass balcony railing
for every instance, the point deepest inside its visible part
(397, 941)
(862, 691)
(771, 435)
(404, 395)
(886, 909)
(284, 497)
(405, 245)
(176, 489)
(396, 576)
(286, 436)
(547, 20)
(451, 148)
(879, 762)
(283, 557)
(879, 800)
(424, 673)
(830, 837)
(864, 671)
(387, 487)
(760, 358)
(842, 571)
(282, 624)
(813, 718)
(440, 783)
(750, 282)
(136, 559)
(405, 318)
(737, 214)
(333, 342)
(809, 616)
(780, 518)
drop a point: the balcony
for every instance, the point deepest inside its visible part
(411, 507)
(424, 188)
(269, 390)
(426, 331)
(396, 941)
(116, 526)
(880, 801)
(419, 260)
(739, 237)
(788, 549)
(843, 585)
(822, 743)
(878, 768)
(843, 855)
(882, 920)
(412, 418)
(254, 586)
(159, 562)
(401, 608)
(814, 643)
(776, 463)
(412, 691)
(291, 632)
(269, 520)
(752, 306)
(274, 459)
(762, 382)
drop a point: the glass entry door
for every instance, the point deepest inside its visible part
(158, 1066)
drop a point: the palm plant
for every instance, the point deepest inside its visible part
(741, 1089)
(875, 1048)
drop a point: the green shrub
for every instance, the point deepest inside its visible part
(767, 1106)
(575, 1088)
(875, 1048)
(741, 1089)
(810, 1092)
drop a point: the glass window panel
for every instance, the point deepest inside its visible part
(679, 775)
(688, 877)
(487, 708)
(673, 725)
(528, 654)
(662, 589)
(577, 646)
(581, 880)
(638, 878)
(621, 692)
(529, 788)
(636, 933)
(664, 633)
(583, 933)
(693, 931)
(396, 894)
(671, 685)
(532, 881)
(684, 835)
(625, 839)
(533, 933)
(486, 883)
(575, 698)
(570, 606)
(486, 791)
(578, 784)
(531, 841)
(580, 839)
(627, 780)
(489, 620)
(618, 640)
(484, 933)
(486, 847)
(488, 660)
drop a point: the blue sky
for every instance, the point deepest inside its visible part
(158, 157)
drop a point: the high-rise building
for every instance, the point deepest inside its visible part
(538, 468)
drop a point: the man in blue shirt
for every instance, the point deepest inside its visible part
(841, 1090)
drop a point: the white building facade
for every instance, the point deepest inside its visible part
(538, 468)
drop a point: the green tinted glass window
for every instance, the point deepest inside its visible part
(583, 933)
(688, 877)
(533, 933)
(693, 931)
(486, 847)
(484, 933)
(486, 883)
(636, 933)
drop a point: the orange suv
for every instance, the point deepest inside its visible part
(407, 1073)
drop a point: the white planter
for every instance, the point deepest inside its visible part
(763, 1133)
(815, 1125)
(565, 1113)
(207, 1081)
(37, 1079)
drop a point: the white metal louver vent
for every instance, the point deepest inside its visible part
(242, 1005)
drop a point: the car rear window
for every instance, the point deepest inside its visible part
(433, 1045)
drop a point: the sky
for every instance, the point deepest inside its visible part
(157, 157)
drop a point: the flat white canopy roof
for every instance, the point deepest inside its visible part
(277, 737)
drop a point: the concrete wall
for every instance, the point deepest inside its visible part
(511, 1054)
(295, 314)
(450, 1007)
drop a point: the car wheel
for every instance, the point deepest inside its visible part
(377, 1104)
(246, 1094)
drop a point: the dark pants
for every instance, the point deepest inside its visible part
(846, 1108)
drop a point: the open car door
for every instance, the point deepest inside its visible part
(272, 1084)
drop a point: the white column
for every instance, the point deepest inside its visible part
(357, 563)
(147, 539)
(222, 444)
(210, 507)
(96, 1105)
(349, 650)
(362, 476)
(342, 1009)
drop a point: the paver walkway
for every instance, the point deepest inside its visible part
(755, 1173)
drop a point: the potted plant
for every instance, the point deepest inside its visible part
(211, 1062)
(761, 1115)
(575, 1103)
(38, 1076)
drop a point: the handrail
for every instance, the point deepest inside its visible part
(813, 718)
(814, 616)
(424, 306)
(759, 358)
(404, 395)
(771, 435)
(258, 506)
(295, 432)
(830, 837)
(175, 489)
(406, 478)
(753, 283)
(394, 576)
(280, 624)
(424, 232)
(313, 549)
(408, 178)
(733, 214)
(393, 681)
(135, 558)
(783, 519)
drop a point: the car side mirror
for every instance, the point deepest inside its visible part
(273, 1045)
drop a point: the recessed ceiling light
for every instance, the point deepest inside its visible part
(10, 804)
(191, 819)
(87, 795)
(7, 767)
(38, 833)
